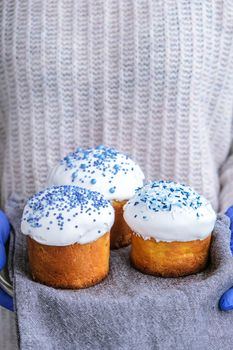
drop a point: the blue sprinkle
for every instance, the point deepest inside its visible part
(112, 189)
(116, 168)
(74, 176)
(100, 147)
(93, 181)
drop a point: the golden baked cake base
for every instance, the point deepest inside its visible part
(120, 231)
(169, 259)
(74, 266)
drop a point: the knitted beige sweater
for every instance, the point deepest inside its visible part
(152, 78)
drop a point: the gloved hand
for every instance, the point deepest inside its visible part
(5, 300)
(226, 301)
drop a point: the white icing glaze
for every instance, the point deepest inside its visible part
(64, 215)
(169, 216)
(100, 169)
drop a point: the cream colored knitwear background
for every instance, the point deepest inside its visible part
(152, 78)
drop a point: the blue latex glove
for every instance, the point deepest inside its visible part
(5, 300)
(226, 301)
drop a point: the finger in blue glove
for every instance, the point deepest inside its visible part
(226, 300)
(6, 301)
(229, 213)
(4, 228)
(4, 235)
(2, 256)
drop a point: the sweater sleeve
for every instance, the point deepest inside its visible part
(226, 183)
(2, 144)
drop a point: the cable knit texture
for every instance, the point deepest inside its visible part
(152, 78)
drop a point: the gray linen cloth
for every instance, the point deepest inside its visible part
(128, 310)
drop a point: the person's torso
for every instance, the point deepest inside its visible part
(152, 78)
